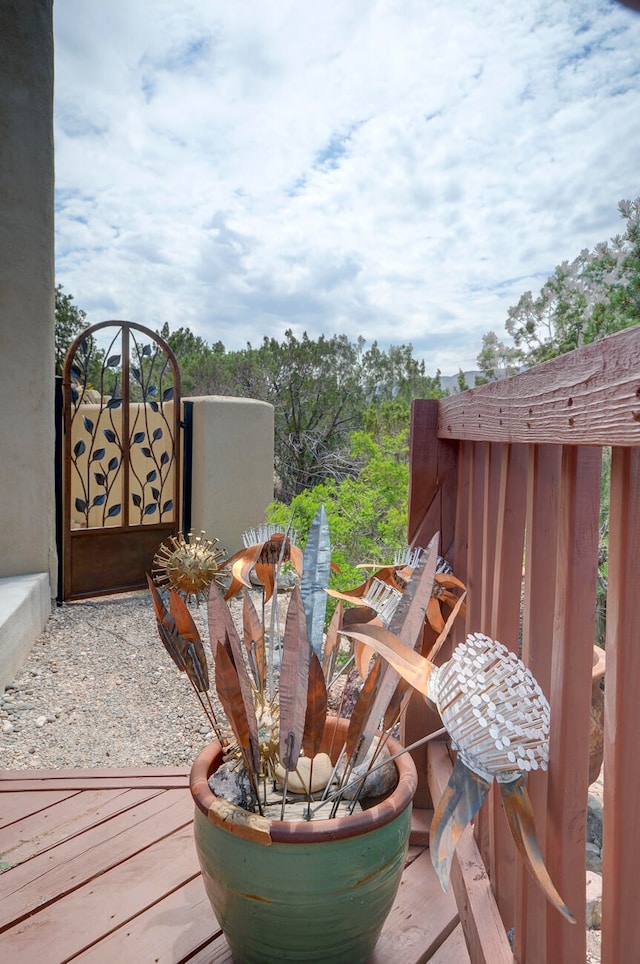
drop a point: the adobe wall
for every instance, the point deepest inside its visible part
(27, 538)
(27, 543)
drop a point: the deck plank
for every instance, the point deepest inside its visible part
(421, 918)
(169, 931)
(133, 774)
(453, 951)
(91, 782)
(66, 867)
(15, 805)
(66, 818)
(84, 916)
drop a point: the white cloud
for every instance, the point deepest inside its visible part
(398, 170)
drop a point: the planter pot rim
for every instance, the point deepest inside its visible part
(304, 831)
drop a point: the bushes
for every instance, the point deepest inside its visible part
(367, 513)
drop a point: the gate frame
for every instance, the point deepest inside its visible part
(145, 543)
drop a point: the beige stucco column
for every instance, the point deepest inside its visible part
(27, 510)
(232, 466)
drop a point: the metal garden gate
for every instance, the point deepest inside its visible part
(121, 457)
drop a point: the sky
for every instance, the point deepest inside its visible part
(400, 170)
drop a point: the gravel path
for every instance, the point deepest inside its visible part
(99, 689)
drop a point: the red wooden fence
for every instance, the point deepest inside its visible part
(510, 474)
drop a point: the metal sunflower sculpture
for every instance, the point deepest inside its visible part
(188, 564)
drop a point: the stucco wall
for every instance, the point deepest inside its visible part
(27, 542)
(232, 466)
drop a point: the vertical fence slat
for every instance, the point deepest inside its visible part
(478, 476)
(461, 536)
(493, 470)
(574, 625)
(530, 945)
(432, 495)
(475, 519)
(431, 508)
(621, 840)
(504, 625)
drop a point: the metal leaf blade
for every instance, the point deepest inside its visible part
(406, 661)
(332, 643)
(316, 709)
(189, 643)
(361, 714)
(462, 798)
(220, 620)
(166, 628)
(221, 629)
(315, 577)
(446, 629)
(182, 617)
(254, 642)
(519, 813)
(230, 695)
(294, 675)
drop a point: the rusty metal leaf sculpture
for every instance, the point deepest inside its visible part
(182, 617)
(316, 709)
(446, 629)
(166, 628)
(463, 796)
(254, 642)
(434, 615)
(363, 655)
(294, 675)
(519, 812)
(397, 704)
(315, 577)
(222, 628)
(406, 661)
(361, 711)
(230, 695)
(193, 651)
(241, 565)
(221, 623)
(332, 643)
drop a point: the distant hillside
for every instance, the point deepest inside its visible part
(450, 382)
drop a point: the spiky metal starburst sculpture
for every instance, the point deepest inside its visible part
(188, 565)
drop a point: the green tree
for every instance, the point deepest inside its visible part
(315, 388)
(197, 359)
(496, 359)
(462, 381)
(594, 295)
(322, 390)
(69, 322)
(367, 513)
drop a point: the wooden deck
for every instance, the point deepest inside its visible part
(99, 865)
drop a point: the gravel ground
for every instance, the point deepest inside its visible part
(99, 689)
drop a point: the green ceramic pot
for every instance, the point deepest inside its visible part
(302, 890)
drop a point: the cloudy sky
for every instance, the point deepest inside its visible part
(398, 169)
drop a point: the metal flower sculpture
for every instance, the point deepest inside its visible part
(265, 548)
(189, 565)
(397, 576)
(498, 719)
